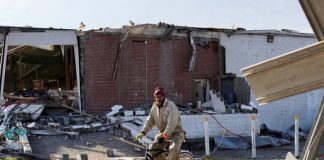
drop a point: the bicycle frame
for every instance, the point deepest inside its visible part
(184, 154)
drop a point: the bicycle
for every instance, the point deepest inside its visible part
(184, 154)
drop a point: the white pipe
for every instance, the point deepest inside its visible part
(206, 136)
(296, 136)
(253, 118)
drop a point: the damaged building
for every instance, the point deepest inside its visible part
(38, 61)
(199, 68)
(122, 66)
(150, 55)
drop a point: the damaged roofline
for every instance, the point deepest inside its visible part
(29, 29)
(163, 30)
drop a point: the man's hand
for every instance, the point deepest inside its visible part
(162, 138)
(139, 137)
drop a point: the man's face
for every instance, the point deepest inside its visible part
(159, 99)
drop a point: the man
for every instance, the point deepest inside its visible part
(164, 114)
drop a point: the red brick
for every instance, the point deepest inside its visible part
(167, 66)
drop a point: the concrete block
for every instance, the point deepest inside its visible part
(53, 125)
(128, 113)
(110, 153)
(96, 124)
(64, 157)
(115, 109)
(139, 112)
(82, 157)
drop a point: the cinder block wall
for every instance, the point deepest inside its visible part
(244, 50)
(194, 125)
(165, 62)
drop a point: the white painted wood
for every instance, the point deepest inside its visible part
(253, 136)
(207, 150)
(296, 136)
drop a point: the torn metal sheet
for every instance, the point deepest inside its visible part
(194, 53)
(33, 110)
(296, 72)
(167, 32)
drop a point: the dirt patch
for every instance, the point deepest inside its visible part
(95, 145)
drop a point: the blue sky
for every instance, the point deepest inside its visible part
(249, 14)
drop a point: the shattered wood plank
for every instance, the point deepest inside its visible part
(315, 138)
(75, 110)
(293, 73)
(52, 132)
(130, 143)
(27, 99)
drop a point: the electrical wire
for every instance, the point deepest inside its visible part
(237, 135)
(216, 148)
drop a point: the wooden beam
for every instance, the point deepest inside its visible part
(75, 110)
(29, 71)
(130, 143)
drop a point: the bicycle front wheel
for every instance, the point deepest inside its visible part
(186, 155)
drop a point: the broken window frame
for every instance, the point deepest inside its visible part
(41, 37)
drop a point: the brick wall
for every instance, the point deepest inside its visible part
(165, 62)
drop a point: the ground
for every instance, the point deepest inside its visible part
(95, 145)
